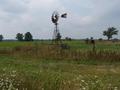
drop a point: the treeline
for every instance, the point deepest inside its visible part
(1, 37)
(24, 37)
(28, 36)
(21, 37)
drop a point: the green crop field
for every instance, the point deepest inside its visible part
(76, 44)
(39, 65)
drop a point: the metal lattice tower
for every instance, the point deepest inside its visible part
(56, 34)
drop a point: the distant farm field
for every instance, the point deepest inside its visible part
(39, 65)
(75, 44)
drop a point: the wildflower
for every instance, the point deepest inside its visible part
(82, 80)
(64, 82)
(4, 69)
(97, 81)
(96, 76)
(80, 76)
(115, 88)
(42, 88)
(69, 82)
(84, 88)
(77, 78)
(13, 71)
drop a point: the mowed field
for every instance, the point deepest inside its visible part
(39, 65)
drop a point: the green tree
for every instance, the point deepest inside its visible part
(1, 37)
(28, 36)
(110, 32)
(19, 37)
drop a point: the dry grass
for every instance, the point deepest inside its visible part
(56, 52)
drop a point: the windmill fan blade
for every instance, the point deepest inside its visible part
(55, 17)
(64, 15)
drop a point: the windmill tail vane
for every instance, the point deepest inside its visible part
(64, 15)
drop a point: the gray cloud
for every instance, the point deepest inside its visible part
(86, 18)
(13, 6)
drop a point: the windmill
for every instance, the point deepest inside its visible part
(56, 34)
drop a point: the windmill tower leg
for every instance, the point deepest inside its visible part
(54, 35)
(56, 39)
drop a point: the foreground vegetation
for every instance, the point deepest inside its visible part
(41, 66)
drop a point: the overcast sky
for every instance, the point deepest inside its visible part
(86, 18)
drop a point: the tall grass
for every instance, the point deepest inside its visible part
(57, 80)
(56, 52)
(49, 67)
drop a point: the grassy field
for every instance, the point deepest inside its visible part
(40, 66)
(100, 45)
